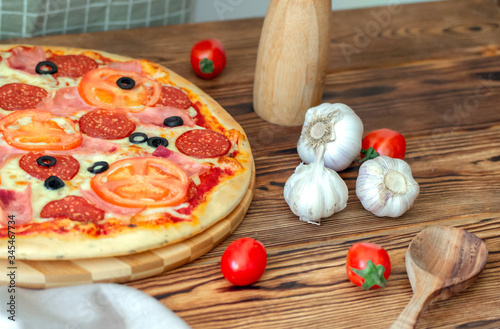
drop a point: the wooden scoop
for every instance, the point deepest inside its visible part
(441, 262)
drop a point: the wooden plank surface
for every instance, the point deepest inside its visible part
(432, 73)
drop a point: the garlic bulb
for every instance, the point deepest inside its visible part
(314, 192)
(386, 187)
(335, 126)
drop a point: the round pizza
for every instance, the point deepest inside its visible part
(103, 155)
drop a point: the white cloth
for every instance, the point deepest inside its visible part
(95, 306)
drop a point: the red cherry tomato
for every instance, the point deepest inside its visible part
(368, 265)
(384, 142)
(208, 58)
(244, 261)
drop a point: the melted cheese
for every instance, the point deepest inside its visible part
(64, 124)
(24, 121)
(46, 81)
(11, 174)
(14, 178)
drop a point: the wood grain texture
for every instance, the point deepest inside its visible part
(50, 274)
(291, 60)
(433, 74)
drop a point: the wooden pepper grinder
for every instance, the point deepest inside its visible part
(292, 60)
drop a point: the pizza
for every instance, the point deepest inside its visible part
(104, 155)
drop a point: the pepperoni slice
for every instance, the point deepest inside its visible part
(66, 166)
(106, 124)
(73, 207)
(174, 97)
(201, 143)
(73, 66)
(20, 96)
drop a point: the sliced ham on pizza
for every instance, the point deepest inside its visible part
(104, 155)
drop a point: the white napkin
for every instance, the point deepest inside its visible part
(94, 306)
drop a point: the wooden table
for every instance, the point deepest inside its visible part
(432, 73)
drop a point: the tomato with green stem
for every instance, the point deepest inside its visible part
(368, 265)
(208, 58)
(383, 142)
(244, 261)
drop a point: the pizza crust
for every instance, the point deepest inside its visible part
(221, 200)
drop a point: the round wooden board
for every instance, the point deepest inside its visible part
(50, 274)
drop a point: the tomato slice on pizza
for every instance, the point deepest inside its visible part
(35, 130)
(142, 182)
(110, 156)
(123, 90)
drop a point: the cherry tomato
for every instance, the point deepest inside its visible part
(383, 142)
(368, 265)
(208, 58)
(244, 261)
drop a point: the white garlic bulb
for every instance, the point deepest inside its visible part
(314, 192)
(335, 126)
(385, 186)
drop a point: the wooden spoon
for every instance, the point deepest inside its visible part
(441, 262)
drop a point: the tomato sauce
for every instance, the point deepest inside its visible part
(208, 180)
(199, 118)
(102, 58)
(57, 226)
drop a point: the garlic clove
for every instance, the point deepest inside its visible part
(335, 126)
(385, 186)
(314, 192)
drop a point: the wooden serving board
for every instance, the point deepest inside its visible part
(54, 273)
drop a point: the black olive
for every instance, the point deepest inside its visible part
(138, 138)
(53, 183)
(173, 121)
(98, 167)
(125, 83)
(53, 67)
(157, 141)
(46, 161)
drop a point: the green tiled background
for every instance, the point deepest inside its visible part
(25, 18)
